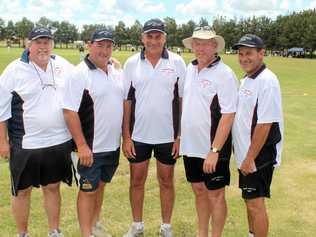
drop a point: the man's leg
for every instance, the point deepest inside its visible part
(86, 205)
(165, 175)
(256, 210)
(138, 176)
(52, 203)
(21, 209)
(98, 203)
(250, 222)
(218, 208)
(202, 207)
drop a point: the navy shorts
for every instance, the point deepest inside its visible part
(256, 184)
(162, 152)
(195, 174)
(103, 168)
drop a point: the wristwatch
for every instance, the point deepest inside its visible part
(215, 150)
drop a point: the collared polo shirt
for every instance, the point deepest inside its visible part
(98, 98)
(154, 92)
(259, 102)
(32, 102)
(207, 95)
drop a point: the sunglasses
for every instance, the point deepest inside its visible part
(202, 28)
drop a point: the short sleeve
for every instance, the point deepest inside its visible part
(74, 88)
(269, 104)
(227, 91)
(7, 86)
(181, 72)
(127, 82)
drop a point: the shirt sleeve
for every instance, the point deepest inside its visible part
(181, 72)
(74, 88)
(129, 90)
(227, 91)
(6, 87)
(269, 104)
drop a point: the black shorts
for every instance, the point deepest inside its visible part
(195, 174)
(162, 152)
(256, 184)
(43, 166)
(103, 168)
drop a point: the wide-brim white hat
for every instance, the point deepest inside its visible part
(205, 34)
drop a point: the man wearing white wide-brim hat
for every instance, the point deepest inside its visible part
(209, 106)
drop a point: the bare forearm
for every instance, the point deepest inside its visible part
(223, 130)
(259, 137)
(127, 119)
(74, 126)
(3, 132)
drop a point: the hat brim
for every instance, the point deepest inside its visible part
(101, 39)
(152, 30)
(237, 46)
(219, 39)
(42, 36)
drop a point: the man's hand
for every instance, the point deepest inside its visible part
(209, 165)
(248, 166)
(129, 148)
(85, 155)
(175, 148)
(116, 63)
(4, 149)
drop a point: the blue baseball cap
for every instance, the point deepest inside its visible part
(40, 32)
(154, 25)
(250, 41)
(102, 34)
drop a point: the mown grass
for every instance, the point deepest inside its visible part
(292, 208)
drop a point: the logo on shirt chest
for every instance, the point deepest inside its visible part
(246, 92)
(58, 71)
(205, 83)
(167, 71)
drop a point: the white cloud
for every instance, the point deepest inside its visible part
(312, 4)
(197, 7)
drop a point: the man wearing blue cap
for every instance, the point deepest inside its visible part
(39, 142)
(257, 131)
(153, 82)
(93, 110)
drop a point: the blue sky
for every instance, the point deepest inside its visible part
(110, 12)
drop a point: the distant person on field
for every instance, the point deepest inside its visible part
(257, 131)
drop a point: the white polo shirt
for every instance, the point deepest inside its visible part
(259, 102)
(98, 98)
(154, 90)
(207, 95)
(34, 109)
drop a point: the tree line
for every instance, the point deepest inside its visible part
(297, 29)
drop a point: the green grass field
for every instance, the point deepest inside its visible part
(292, 208)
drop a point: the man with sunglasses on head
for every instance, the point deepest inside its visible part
(93, 110)
(209, 106)
(39, 143)
(153, 82)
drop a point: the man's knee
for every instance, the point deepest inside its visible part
(51, 188)
(199, 189)
(255, 206)
(24, 193)
(166, 180)
(217, 195)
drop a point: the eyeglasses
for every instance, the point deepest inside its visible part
(45, 85)
(202, 28)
